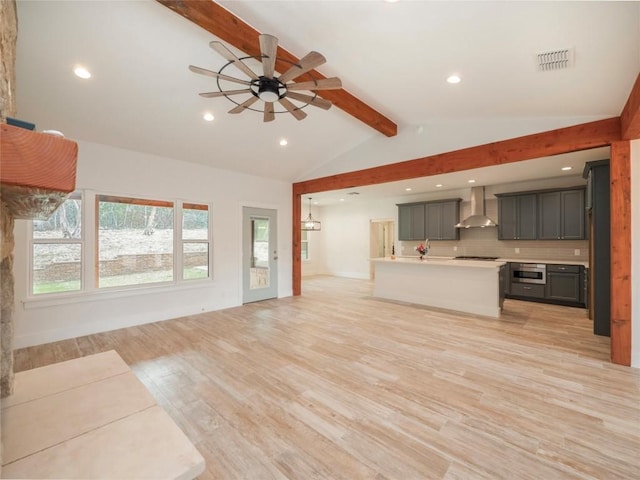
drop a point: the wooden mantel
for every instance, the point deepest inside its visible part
(37, 171)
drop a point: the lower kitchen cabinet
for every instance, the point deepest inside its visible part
(527, 290)
(564, 283)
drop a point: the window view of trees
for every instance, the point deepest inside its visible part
(135, 241)
(134, 244)
(195, 241)
(57, 249)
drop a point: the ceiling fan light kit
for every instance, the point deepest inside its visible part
(267, 87)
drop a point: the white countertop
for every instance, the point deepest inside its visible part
(441, 261)
(510, 259)
(547, 262)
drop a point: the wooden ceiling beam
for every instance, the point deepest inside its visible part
(227, 27)
(630, 116)
(563, 140)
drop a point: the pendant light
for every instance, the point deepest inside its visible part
(309, 224)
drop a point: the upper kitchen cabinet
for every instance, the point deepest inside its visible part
(517, 216)
(561, 215)
(432, 220)
(411, 221)
(441, 219)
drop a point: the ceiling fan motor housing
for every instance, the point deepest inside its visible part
(269, 89)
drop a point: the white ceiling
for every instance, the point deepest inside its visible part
(393, 56)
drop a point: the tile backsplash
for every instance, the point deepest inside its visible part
(484, 242)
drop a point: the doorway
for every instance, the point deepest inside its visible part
(259, 254)
(381, 241)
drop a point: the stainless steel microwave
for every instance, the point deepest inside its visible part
(529, 273)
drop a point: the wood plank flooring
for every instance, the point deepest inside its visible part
(338, 385)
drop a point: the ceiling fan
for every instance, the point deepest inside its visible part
(268, 87)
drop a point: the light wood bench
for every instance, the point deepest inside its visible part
(91, 418)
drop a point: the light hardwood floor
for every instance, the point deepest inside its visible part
(336, 384)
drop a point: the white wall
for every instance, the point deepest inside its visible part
(106, 169)
(635, 253)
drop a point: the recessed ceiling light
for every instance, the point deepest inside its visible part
(439, 185)
(208, 117)
(454, 79)
(566, 168)
(342, 199)
(472, 181)
(407, 189)
(82, 72)
(283, 142)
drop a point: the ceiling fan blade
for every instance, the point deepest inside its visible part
(244, 105)
(293, 110)
(268, 48)
(310, 61)
(315, 101)
(332, 83)
(210, 73)
(224, 94)
(228, 54)
(269, 114)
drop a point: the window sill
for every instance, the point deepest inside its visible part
(53, 300)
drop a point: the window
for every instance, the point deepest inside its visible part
(195, 241)
(57, 249)
(304, 244)
(135, 241)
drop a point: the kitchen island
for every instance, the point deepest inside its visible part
(463, 285)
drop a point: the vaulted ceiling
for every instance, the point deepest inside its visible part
(393, 57)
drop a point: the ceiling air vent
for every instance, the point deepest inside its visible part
(555, 60)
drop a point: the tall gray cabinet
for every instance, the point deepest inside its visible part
(599, 219)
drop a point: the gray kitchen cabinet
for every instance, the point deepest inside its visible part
(432, 220)
(599, 214)
(527, 290)
(441, 219)
(450, 218)
(411, 221)
(564, 283)
(517, 217)
(561, 215)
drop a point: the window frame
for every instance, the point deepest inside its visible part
(181, 240)
(89, 254)
(138, 201)
(59, 241)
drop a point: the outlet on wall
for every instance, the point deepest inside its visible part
(455, 248)
(517, 250)
(576, 252)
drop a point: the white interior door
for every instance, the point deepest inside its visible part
(259, 254)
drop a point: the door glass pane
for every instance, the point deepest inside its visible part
(259, 253)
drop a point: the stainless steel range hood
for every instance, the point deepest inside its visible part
(477, 219)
